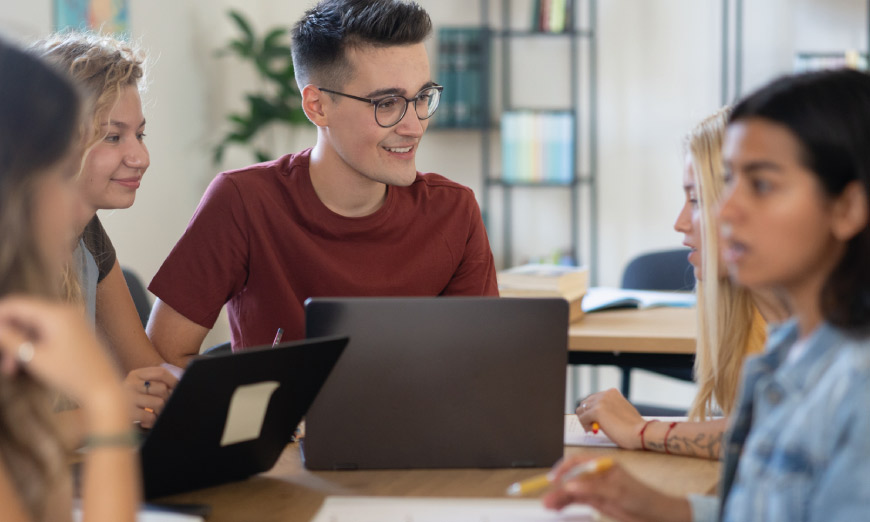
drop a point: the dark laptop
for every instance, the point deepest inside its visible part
(445, 382)
(232, 415)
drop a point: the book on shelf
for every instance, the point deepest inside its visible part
(462, 70)
(552, 16)
(537, 146)
(605, 298)
(805, 62)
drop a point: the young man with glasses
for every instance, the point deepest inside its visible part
(350, 216)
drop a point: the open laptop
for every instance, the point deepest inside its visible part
(446, 382)
(231, 415)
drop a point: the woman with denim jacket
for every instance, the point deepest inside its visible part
(795, 220)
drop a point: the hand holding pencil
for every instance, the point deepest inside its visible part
(610, 412)
(535, 484)
(614, 492)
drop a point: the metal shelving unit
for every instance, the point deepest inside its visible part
(583, 104)
(727, 95)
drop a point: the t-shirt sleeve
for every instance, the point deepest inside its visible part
(209, 264)
(100, 246)
(475, 275)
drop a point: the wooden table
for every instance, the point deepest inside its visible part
(630, 338)
(655, 336)
(289, 492)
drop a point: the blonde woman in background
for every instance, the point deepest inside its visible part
(111, 73)
(47, 347)
(731, 320)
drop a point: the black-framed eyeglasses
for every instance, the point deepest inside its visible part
(390, 110)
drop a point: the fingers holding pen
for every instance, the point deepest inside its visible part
(148, 389)
(152, 380)
(617, 494)
(614, 415)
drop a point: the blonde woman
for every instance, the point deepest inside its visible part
(731, 320)
(111, 73)
(47, 347)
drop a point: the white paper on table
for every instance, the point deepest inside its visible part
(247, 412)
(416, 509)
(174, 370)
(575, 435)
(144, 515)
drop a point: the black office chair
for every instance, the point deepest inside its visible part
(139, 294)
(667, 270)
(219, 349)
(664, 270)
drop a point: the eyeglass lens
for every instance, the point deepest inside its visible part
(390, 110)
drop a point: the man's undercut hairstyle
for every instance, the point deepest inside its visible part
(323, 35)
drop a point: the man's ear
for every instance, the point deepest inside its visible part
(850, 211)
(313, 101)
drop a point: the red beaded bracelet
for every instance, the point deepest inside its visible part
(647, 423)
(666, 436)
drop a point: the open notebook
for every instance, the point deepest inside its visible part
(575, 435)
(601, 298)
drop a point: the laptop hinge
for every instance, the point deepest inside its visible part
(523, 464)
(342, 466)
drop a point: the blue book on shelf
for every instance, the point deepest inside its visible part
(446, 77)
(462, 66)
(509, 145)
(565, 147)
(477, 69)
(551, 142)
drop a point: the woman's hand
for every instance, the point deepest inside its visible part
(615, 493)
(54, 343)
(148, 389)
(615, 415)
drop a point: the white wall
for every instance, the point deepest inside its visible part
(658, 74)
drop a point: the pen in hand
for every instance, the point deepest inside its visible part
(278, 336)
(540, 482)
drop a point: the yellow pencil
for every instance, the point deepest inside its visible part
(540, 482)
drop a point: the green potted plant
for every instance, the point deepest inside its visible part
(279, 100)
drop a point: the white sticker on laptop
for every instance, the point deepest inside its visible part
(247, 412)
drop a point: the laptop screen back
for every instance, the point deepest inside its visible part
(440, 383)
(232, 415)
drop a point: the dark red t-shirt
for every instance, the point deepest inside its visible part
(263, 242)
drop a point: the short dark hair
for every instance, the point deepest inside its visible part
(323, 35)
(829, 114)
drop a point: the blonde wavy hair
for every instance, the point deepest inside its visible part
(101, 66)
(39, 114)
(729, 325)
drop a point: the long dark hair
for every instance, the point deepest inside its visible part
(39, 115)
(829, 113)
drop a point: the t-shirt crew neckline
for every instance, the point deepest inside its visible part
(312, 204)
